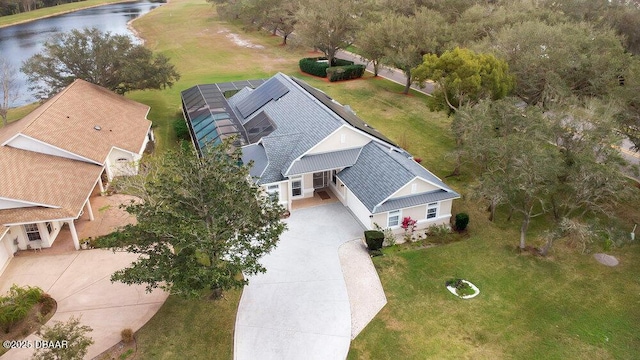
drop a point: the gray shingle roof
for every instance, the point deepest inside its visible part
(346, 114)
(256, 153)
(379, 173)
(325, 161)
(278, 150)
(415, 200)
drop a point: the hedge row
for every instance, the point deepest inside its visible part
(348, 72)
(313, 66)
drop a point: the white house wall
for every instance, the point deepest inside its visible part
(307, 186)
(122, 163)
(343, 138)
(6, 250)
(25, 143)
(358, 209)
(421, 186)
(418, 213)
(47, 240)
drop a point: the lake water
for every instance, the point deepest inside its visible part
(19, 42)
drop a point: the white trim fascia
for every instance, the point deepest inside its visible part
(50, 145)
(429, 182)
(39, 222)
(311, 148)
(417, 177)
(90, 192)
(30, 203)
(3, 233)
(395, 192)
(121, 149)
(146, 135)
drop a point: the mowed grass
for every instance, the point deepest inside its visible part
(190, 329)
(53, 11)
(566, 306)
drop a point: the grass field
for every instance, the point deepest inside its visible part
(190, 329)
(565, 306)
(53, 11)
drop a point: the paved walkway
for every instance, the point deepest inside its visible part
(79, 282)
(300, 308)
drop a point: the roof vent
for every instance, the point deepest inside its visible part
(97, 127)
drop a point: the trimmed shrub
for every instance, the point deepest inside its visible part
(347, 72)
(374, 239)
(462, 220)
(47, 304)
(127, 335)
(318, 67)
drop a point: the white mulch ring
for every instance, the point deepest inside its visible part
(606, 259)
(475, 289)
(239, 41)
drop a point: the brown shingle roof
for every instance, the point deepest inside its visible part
(68, 119)
(44, 179)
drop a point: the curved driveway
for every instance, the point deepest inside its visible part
(299, 309)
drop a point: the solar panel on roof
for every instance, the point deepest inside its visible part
(273, 89)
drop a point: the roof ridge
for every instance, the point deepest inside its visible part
(393, 158)
(315, 100)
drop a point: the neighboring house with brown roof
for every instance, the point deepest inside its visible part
(54, 158)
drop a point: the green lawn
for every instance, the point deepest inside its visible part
(190, 329)
(52, 11)
(566, 306)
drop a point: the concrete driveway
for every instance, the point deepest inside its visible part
(299, 309)
(79, 282)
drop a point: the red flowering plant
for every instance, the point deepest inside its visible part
(408, 224)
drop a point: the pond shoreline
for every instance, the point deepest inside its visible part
(65, 12)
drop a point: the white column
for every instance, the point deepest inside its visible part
(89, 210)
(74, 234)
(101, 185)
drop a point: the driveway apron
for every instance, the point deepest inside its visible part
(299, 308)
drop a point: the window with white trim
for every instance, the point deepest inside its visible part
(432, 210)
(333, 177)
(32, 232)
(393, 218)
(49, 227)
(296, 187)
(274, 191)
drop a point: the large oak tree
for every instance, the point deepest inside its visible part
(200, 223)
(111, 61)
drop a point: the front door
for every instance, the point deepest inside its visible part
(320, 179)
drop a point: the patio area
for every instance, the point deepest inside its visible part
(322, 196)
(107, 217)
